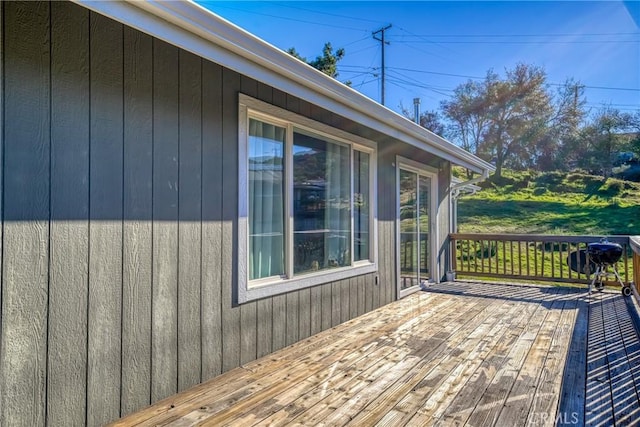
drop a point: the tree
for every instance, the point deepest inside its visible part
(557, 149)
(467, 115)
(430, 119)
(327, 63)
(502, 120)
(605, 136)
(635, 128)
(520, 109)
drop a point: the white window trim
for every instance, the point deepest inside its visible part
(262, 288)
(434, 238)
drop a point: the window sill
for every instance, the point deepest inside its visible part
(278, 287)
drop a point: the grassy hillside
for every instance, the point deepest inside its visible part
(552, 203)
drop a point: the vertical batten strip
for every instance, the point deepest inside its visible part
(189, 232)
(2, 134)
(23, 334)
(105, 227)
(164, 373)
(137, 228)
(69, 237)
(212, 184)
(230, 310)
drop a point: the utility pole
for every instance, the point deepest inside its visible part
(416, 110)
(381, 39)
(576, 92)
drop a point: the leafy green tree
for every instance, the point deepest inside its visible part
(502, 119)
(467, 115)
(603, 137)
(634, 144)
(327, 62)
(556, 150)
(520, 109)
(430, 119)
(516, 121)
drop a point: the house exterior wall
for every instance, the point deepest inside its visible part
(119, 197)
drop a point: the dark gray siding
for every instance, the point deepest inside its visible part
(119, 227)
(69, 239)
(137, 232)
(26, 210)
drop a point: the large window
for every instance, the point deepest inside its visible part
(306, 211)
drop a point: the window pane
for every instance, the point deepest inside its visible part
(361, 205)
(321, 204)
(266, 199)
(423, 218)
(409, 246)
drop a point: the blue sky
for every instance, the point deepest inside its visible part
(435, 46)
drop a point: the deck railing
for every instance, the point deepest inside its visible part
(535, 256)
(634, 242)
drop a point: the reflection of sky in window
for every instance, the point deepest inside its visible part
(265, 147)
(260, 147)
(300, 150)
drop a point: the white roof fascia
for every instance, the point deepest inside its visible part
(192, 27)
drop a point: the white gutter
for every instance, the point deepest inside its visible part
(472, 181)
(454, 192)
(190, 26)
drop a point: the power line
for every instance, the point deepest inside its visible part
(416, 83)
(288, 19)
(593, 105)
(365, 82)
(437, 73)
(326, 13)
(409, 83)
(356, 74)
(482, 78)
(523, 35)
(362, 50)
(605, 87)
(357, 41)
(526, 42)
(448, 49)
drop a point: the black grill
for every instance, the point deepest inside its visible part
(597, 260)
(604, 252)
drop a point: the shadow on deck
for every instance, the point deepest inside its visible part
(455, 354)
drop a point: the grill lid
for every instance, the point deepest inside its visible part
(604, 252)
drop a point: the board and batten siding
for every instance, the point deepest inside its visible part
(119, 192)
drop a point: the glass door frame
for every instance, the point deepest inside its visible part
(423, 170)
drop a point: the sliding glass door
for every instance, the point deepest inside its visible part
(415, 236)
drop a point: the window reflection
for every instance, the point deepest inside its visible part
(266, 199)
(415, 194)
(321, 204)
(361, 205)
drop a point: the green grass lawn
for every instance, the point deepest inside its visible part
(552, 203)
(544, 203)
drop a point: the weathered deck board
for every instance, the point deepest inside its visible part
(474, 354)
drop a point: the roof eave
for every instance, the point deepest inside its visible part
(200, 31)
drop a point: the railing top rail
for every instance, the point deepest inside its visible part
(634, 241)
(545, 238)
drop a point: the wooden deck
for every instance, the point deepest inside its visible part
(464, 354)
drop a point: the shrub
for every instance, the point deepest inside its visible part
(550, 179)
(611, 189)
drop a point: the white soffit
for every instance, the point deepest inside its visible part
(191, 27)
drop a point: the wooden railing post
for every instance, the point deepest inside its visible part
(454, 253)
(634, 242)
